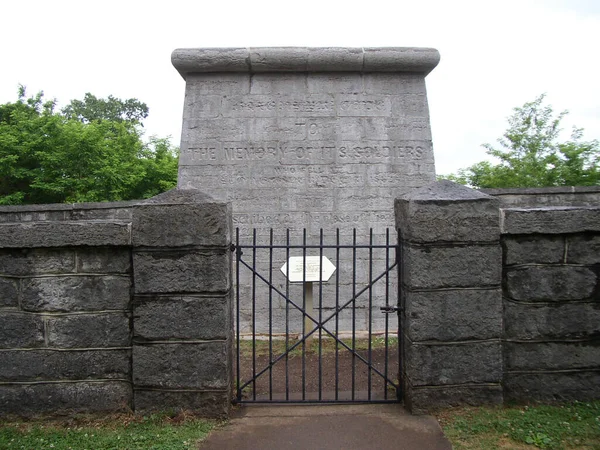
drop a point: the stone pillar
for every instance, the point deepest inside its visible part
(451, 297)
(182, 331)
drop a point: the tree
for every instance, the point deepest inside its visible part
(532, 155)
(112, 109)
(53, 157)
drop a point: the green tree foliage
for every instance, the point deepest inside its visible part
(532, 155)
(80, 155)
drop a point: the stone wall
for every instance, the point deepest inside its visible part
(551, 280)
(101, 306)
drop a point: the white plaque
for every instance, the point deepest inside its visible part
(313, 270)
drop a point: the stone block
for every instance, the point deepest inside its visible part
(583, 249)
(279, 59)
(347, 83)
(533, 249)
(394, 83)
(470, 362)
(182, 366)
(9, 292)
(400, 59)
(64, 234)
(429, 267)
(550, 220)
(446, 212)
(557, 283)
(104, 260)
(336, 59)
(181, 225)
(182, 271)
(52, 365)
(199, 60)
(527, 356)
(274, 84)
(20, 262)
(213, 404)
(551, 321)
(428, 399)
(76, 293)
(89, 330)
(65, 398)
(453, 315)
(182, 317)
(552, 386)
(199, 84)
(18, 330)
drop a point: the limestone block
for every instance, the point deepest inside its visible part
(198, 84)
(550, 220)
(104, 260)
(182, 317)
(215, 404)
(454, 315)
(182, 271)
(552, 386)
(557, 283)
(181, 366)
(18, 330)
(88, 330)
(76, 293)
(400, 59)
(427, 267)
(210, 60)
(65, 398)
(181, 225)
(445, 211)
(9, 294)
(36, 261)
(431, 364)
(63, 234)
(552, 355)
(551, 321)
(47, 365)
(583, 249)
(533, 249)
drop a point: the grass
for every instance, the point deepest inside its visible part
(569, 426)
(124, 431)
(327, 346)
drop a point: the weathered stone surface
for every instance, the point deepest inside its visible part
(180, 225)
(36, 261)
(104, 260)
(552, 355)
(181, 317)
(215, 404)
(446, 211)
(548, 196)
(552, 386)
(472, 362)
(49, 365)
(427, 267)
(18, 330)
(88, 330)
(551, 321)
(65, 398)
(427, 399)
(9, 293)
(183, 271)
(453, 315)
(550, 220)
(557, 283)
(76, 293)
(533, 249)
(583, 249)
(63, 234)
(185, 366)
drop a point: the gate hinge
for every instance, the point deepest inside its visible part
(389, 309)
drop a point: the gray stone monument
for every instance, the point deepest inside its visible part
(315, 138)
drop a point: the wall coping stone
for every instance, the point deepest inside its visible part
(550, 220)
(68, 206)
(305, 59)
(544, 190)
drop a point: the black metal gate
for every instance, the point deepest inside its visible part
(308, 334)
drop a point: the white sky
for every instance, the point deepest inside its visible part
(495, 55)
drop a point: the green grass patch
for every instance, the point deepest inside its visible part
(568, 426)
(328, 346)
(155, 432)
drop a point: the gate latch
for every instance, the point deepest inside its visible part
(389, 309)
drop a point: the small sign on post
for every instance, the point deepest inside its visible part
(297, 272)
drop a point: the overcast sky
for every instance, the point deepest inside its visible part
(495, 55)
